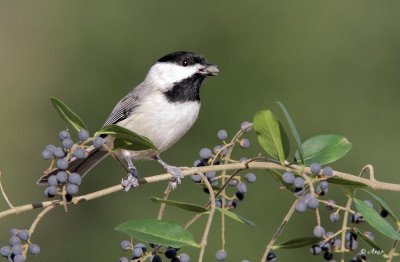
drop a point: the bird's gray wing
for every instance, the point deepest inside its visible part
(123, 109)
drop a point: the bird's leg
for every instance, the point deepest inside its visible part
(173, 170)
(132, 179)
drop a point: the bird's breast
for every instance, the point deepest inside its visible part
(163, 122)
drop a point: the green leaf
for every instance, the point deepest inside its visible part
(158, 232)
(383, 205)
(278, 176)
(370, 242)
(294, 131)
(298, 242)
(271, 135)
(236, 217)
(344, 182)
(324, 149)
(126, 139)
(67, 115)
(181, 205)
(375, 220)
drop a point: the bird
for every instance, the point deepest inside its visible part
(162, 108)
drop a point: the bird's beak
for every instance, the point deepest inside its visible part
(209, 70)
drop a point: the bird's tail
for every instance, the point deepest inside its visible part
(80, 166)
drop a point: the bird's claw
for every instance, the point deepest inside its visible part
(131, 180)
(176, 176)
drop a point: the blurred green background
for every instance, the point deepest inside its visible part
(334, 64)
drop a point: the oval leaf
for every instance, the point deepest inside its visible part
(324, 149)
(271, 135)
(236, 217)
(158, 232)
(375, 220)
(294, 131)
(67, 115)
(298, 242)
(181, 205)
(384, 205)
(126, 139)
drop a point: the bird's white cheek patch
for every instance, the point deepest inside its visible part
(167, 74)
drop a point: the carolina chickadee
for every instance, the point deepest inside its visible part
(162, 108)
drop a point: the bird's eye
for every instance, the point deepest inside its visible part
(185, 62)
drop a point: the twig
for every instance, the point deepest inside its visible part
(4, 194)
(392, 250)
(376, 185)
(279, 230)
(344, 227)
(210, 217)
(167, 191)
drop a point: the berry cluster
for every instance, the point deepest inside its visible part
(19, 244)
(139, 253)
(215, 157)
(65, 182)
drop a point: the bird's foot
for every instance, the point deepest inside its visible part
(176, 176)
(131, 180)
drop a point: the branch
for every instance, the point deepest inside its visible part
(376, 185)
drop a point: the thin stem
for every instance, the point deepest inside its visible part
(4, 194)
(376, 185)
(279, 230)
(167, 191)
(210, 217)
(392, 250)
(344, 227)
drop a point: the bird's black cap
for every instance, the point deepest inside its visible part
(178, 57)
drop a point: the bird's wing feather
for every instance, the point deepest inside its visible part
(123, 109)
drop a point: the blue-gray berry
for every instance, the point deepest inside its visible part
(34, 249)
(137, 252)
(210, 174)
(98, 142)
(59, 152)
(319, 231)
(324, 185)
(75, 179)
(16, 249)
(50, 148)
(5, 251)
(242, 187)
(301, 206)
(315, 168)
(334, 217)
(19, 258)
(313, 203)
(288, 177)
(67, 143)
(62, 177)
(244, 143)
(63, 135)
(83, 135)
(327, 171)
(246, 126)
(62, 163)
(315, 249)
(72, 189)
(205, 153)
(155, 258)
(221, 255)
(80, 153)
(125, 245)
(52, 180)
(14, 240)
(250, 178)
(50, 191)
(196, 178)
(184, 257)
(299, 182)
(14, 231)
(23, 235)
(222, 134)
(47, 154)
(123, 259)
